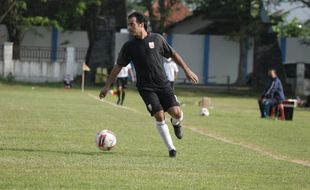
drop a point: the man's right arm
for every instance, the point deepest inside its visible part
(116, 69)
(268, 93)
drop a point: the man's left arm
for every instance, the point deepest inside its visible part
(168, 51)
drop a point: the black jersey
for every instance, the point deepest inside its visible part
(147, 57)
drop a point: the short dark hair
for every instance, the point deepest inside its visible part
(140, 18)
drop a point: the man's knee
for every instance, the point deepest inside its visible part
(159, 116)
(175, 112)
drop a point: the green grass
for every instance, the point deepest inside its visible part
(47, 141)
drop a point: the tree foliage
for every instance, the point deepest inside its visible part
(157, 14)
(293, 28)
(20, 15)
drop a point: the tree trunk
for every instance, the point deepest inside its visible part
(149, 6)
(6, 12)
(103, 22)
(241, 79)
(15, 36)
(267, 55)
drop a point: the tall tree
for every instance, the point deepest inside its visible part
(102, 21)
(294, 27)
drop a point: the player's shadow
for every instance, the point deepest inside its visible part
(64, 152)
(68, 152)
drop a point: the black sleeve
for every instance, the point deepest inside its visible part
(123, 57)
(167, 50)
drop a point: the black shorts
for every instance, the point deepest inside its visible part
(157, 100)
(121, 82)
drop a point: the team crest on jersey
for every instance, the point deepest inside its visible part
(151, 45)
(149, 107)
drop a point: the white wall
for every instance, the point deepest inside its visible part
(191, 48)
(39, 71)
(42, 37)
(37, 36)
(28, 71)
(223, 60)
(1, 67)
(77, 39)
(296, 51)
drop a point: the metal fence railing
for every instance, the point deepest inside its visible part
(40, 53)
(34, 53)
(80, 54)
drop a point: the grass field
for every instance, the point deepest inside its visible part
(47, 141)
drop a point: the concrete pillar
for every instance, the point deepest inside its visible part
(17, 69)
(8, 66)
(300, 77)
(56, 68)
(70, 61)
(44, 72)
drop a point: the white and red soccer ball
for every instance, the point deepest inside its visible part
(105, 140)
(204, 112)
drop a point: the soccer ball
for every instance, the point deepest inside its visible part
(204, 112)
(105, 140)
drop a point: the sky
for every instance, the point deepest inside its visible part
(297, 10)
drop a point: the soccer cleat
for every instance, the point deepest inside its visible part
(118, 101)
(172, 153)
(177, 130)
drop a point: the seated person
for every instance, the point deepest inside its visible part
(273, 95)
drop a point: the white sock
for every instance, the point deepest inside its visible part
(163, 130)
(177, 121)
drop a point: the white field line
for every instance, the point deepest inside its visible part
(251, 147)
(219, 138)
(113, 104)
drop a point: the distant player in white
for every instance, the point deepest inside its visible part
(171, 70)
(121, 83)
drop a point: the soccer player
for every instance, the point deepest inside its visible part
(171, 70)
(121, 83)
(146, 52)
